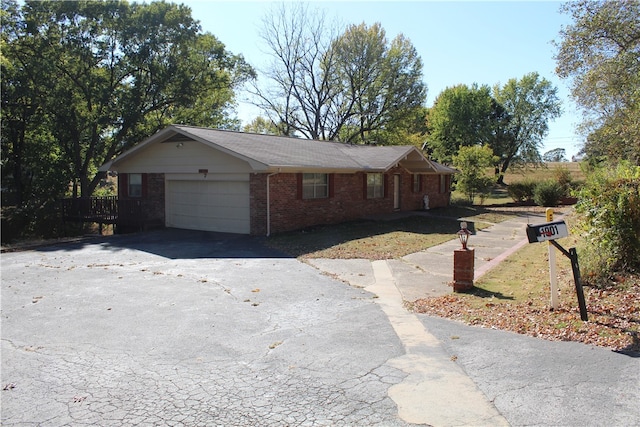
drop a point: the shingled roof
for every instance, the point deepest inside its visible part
(267, 153)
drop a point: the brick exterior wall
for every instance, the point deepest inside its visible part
(289, 211)
(438, 196)
(258, 203)
(153, 196)
(347, 201)
(154, 202)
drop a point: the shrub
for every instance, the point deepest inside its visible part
(33, 220)
(609, 204)
(459, 200)
(575, 187)
(521, 191)
(472, 162)
(563, 178)
(485, 185)
(548, 193)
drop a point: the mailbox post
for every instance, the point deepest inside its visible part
(553, 278)
(550, 231)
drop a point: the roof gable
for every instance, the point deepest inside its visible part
(268, 153)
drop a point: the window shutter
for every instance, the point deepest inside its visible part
(299, 186)
(331, 185)
(364, 186)
(385, 187)
(123, 184)
(144, 185)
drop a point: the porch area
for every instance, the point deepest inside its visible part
(125, 214)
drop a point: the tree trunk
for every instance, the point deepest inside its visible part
(503, 170)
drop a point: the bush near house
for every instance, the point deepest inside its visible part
(548, 193)
(547, 190)
(522, 191)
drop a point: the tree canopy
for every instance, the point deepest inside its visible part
(511, 119)
(84, 81)
(460, 117)
(555, 155)
(263, 126)
(599, 53)
(355, 86)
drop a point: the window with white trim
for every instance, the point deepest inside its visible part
(134, 185)
(315, 185)
(375, 186)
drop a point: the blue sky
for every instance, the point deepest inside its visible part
(459, 42)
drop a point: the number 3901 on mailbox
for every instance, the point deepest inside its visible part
(547, 231)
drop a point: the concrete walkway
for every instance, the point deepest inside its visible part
(436, 390)
(428, 273)
(461, 375)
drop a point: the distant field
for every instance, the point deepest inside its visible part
(544, 172)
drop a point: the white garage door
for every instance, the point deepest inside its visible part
(208, 205)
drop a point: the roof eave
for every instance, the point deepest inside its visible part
(318, 169)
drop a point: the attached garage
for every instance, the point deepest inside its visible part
(210, 205)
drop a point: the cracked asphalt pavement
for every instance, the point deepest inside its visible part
(188, 328)
(174, 327)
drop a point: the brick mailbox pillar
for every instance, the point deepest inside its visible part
(463, 266)
(463, 262)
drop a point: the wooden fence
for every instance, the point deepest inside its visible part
(103, 210)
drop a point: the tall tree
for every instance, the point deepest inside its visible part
(33, 167)
(530, 103)
(555, 155)
(380, 82)
(599, 53)
(300, 89)
(353, 87)
(460, 117)
(104, 75)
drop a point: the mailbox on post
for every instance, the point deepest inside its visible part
(547, 231)
(550, 231)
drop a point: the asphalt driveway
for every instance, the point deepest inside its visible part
(189, 328)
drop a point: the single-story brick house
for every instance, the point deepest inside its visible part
(217, 180)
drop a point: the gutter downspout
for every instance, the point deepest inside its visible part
(269, 202)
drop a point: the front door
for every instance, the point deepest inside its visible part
(396, 192)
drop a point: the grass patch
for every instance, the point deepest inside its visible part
(532, 266)
(498, 196)
(515, 296)
(380, 239)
